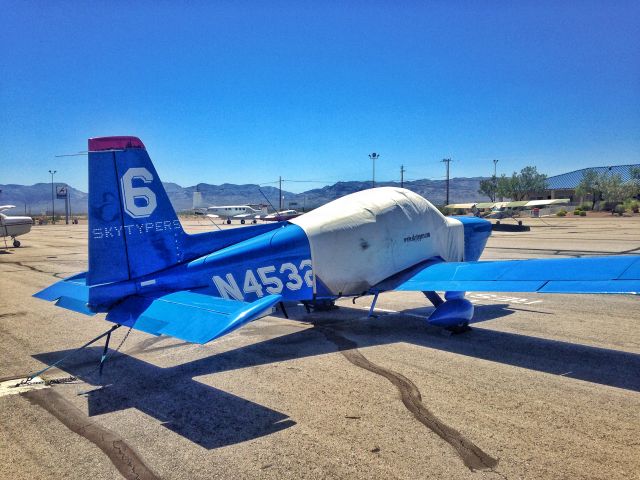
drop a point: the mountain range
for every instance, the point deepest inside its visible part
(36, 199)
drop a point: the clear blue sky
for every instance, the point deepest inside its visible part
(241, 92)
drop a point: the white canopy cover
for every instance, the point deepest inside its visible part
(362, 238)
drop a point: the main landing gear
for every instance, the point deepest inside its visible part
(16, 243)
(453, 313)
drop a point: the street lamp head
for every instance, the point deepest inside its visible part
(374, 156)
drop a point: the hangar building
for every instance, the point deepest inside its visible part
(564, 185)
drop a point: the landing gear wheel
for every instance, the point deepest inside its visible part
(254, 221)
(242, 222)
(228, 221)
(322, 305)
(458, 329)
(16, 243)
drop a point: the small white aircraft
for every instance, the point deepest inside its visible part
(281, 216)
(13, 226)
(238, 212)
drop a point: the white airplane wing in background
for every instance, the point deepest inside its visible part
(541, 203)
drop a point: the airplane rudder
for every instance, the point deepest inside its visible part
(153, 232)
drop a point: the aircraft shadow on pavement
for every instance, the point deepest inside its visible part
(205, 415)
(213, 418)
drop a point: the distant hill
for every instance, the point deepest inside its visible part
(36, 199)
(460, 190)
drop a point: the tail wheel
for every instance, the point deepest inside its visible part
(16, 243)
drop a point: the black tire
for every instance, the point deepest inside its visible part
(460, 328)
(228, 221)
(16, 243)
(242, 221)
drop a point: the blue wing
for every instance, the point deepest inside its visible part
(610, 274)
(187, 315)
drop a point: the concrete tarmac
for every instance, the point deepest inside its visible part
(544, 386)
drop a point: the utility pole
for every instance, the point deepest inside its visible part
(402, 170)
(53, 206)
(447, 161)
(66, 206)
(495, 179)
(374, 156)
(280, 194)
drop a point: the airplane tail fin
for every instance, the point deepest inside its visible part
(133, 228)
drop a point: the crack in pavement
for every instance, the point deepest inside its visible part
(123, 457)
(472, 456)
(32, 268)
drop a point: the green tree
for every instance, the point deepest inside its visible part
(520, 184)
(635, 179)
(503, 187)
(614, 190)
(488, 187)
(590, 185)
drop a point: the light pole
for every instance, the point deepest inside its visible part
(447, 161)
(495, 179)
(373, 156)
(53, 207)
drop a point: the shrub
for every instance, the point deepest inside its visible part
(583, 213)
(577, 211)
(619, 209)
(631, 205)
(586, 206)
(561, 213)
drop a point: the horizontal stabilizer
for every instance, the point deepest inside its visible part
(71, 293)
(189, 315)
(610, 274)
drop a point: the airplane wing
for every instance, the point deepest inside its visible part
(543, 203)
(187, 315)
(211, 215)
(6, 207)
(610, 274)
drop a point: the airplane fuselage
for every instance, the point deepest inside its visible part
(14, 226)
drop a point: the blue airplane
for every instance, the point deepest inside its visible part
(147, 273)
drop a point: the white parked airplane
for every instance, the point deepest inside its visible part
(238, 212)
(13, 226)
